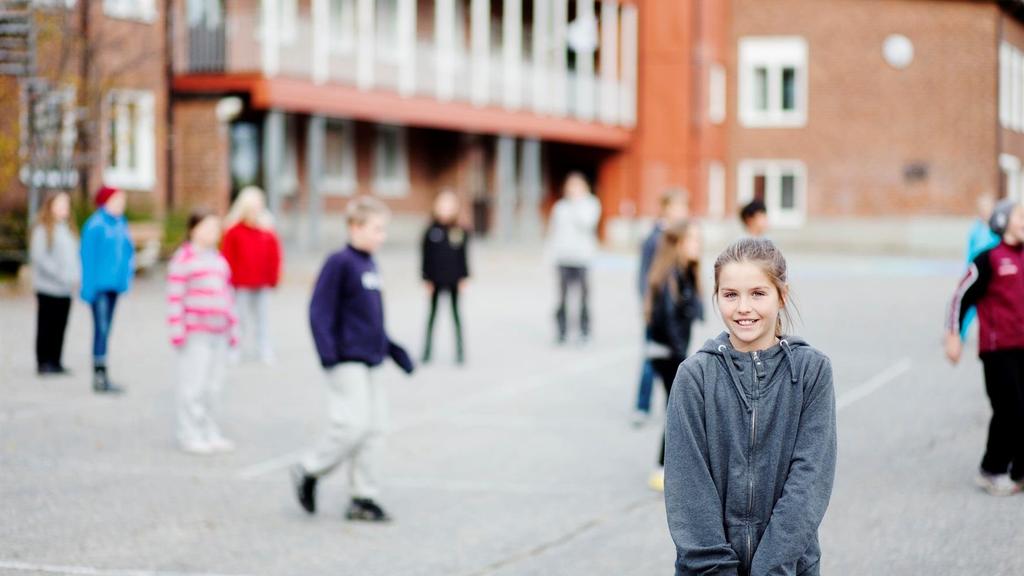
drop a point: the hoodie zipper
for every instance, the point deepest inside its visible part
(753, 446)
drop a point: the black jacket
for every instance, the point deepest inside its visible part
(672, 316)
(445, 254)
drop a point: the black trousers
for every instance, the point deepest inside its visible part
(453, 293)
(666, 369)
(1004, 382)
(572, 276)
(51, 321)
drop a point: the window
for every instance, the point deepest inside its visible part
(339, 158)
(53, 3)
(386, 21)
(390, 166)
(208, 12)
(780, 184)
(773, 82)
(143, 10)
(130, 149)
(1010, 183)
(343, 26)
(48, 138)
(1011, 87)
(1005, 56)
(716, 93)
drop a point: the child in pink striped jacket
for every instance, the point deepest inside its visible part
(203, 326)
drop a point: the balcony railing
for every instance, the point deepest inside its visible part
(235, 44)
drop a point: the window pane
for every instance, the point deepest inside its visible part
(788, 197)
(760, 185)
(760, 89)
(112, 159)
(788, 89)
(132, 137)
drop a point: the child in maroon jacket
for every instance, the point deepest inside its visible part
(253, 251)
(994, 283)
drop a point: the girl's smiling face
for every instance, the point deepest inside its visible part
(750, 304)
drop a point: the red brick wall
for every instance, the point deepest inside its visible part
(201, 156)
(867, 120)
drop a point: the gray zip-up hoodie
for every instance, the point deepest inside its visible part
(750, 458)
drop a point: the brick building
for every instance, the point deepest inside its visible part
(100, 96)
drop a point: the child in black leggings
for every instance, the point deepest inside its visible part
(445, 266)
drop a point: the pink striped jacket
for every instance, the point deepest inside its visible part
(199, 295)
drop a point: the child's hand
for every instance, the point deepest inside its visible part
(429, 286)
(953, 347)
(462, 284)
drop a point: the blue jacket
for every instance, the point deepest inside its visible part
(346, 313)
(750, 457)
(108, 256)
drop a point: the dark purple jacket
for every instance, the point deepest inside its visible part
(994, 282)
(346, 313)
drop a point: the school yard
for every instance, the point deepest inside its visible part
(522, 463)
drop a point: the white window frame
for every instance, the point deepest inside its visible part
(54, 3)
(343, 40)
(143, 176)
(717, 103)
(396, 186)
(1009, 166)
(773, 53)
(67, 175)
(345, 184)
(139, 10)
(773, 171)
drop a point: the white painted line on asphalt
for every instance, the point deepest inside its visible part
(502, 391)
(90, 571)
(257, 470)
(873, 384)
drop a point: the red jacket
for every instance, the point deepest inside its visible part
(254, 255)
(994, 282)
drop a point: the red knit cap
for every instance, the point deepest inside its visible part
(104, 194)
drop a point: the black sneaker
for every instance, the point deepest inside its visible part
(305, 488)
(366, 510)
(101, 384)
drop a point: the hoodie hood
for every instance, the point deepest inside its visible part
(778, 360)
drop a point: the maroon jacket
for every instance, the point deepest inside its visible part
(994, 283)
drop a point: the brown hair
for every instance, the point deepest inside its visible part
(361, 209)
(194, 219)
(674, 194)
(666, 259)
(763, 253)
(45, 216)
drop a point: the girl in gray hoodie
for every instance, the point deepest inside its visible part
(750, 449)
(53, 251)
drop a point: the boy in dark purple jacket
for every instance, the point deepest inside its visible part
(994, 282)
(346, 315)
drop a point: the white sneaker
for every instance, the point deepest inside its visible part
(197, 447)
(1003, 485)
(221, 444)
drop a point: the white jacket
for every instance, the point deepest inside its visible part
(572, 240)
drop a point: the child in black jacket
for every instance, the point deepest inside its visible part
(445, 266)
(672, 303)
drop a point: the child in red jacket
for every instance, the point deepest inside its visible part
(253, 251)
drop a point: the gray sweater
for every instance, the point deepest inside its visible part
(573, 236)
(55, 268)
(750, 458)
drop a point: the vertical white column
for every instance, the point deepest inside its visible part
(273, 158)
(444, 47)
(560, 62)
(530, 188)
(512, 52)
(269, 31)
(507, 188)
(365, 51)
(321, 42)
(630, 47)
(407, 47)
(585, 63)
(314, 178)
(609, 61)
(480, 39)
(541, 58)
